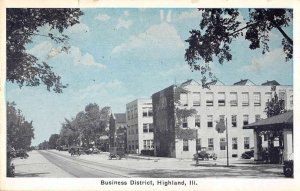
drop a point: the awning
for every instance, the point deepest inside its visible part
(277, 122)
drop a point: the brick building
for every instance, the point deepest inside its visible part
(185, 116)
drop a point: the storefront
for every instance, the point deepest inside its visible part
(273, 138)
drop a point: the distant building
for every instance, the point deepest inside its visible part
(139, 125)
(117, 130)
(185, 116)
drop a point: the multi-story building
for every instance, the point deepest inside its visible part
(117, 130)
(185, 116)
(139, 125)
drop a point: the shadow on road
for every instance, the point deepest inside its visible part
(30, 174)
(214, 172)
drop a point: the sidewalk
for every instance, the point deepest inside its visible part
(37, 166)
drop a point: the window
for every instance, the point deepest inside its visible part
(148, 144)
(209, 99)
(257, 99)
(131, 114)
(257, 118)
(196, 99)
(135, 113)
(132, 146)
(147, 112)
(268, 96)
(245, 119)
(198, 144)
(129, 147)
(185, 145)
(233, 99)
(234, 143)
(222, 143)
(245, 99)
(151, 129)
(184, 122)
(221, 99)
(145, 127)
(197, 120)
(184, 99)
(136, 131)
(209, 121)
(233, 120)
(210, 144)
(136, 144)
(150, 113)
(151, 144)
(145, 144)
(246, 142)
(128, 114)
(282, 98)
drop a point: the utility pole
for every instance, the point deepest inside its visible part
(197, 160)
(226, 128)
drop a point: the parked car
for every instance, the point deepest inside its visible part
(204, 155)
(248, 154)
(288, 168)
(116, 152)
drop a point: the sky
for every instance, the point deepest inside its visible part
(118, 55)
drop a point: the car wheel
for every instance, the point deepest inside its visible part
(288, 172)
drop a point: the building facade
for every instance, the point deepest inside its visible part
(185, 116)
(139, 122)
(117, 130)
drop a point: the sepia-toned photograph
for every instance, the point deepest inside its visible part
(152, 93)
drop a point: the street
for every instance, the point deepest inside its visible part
(55, 164)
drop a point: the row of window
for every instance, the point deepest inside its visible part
(233, 98)
(223, 144)
(210, 122)
(146, 112)
(148, 128)
(148, 144)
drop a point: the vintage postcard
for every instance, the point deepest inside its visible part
(145, 95)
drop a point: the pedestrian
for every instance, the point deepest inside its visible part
(280, 155)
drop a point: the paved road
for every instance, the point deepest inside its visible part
(53, 163)
(82, 168)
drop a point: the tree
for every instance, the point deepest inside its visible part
(86, 127)
(275, 106)
(219, 27)
(19, 131)
(22, 25)
(53, 141)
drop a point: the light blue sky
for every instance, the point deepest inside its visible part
(118, 55)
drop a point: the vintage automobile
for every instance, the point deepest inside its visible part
(75, 150)
(288, 167)
(205, 155)
(116, 152)
(248, 154)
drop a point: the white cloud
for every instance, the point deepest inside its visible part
(83, 59)
(163, 36)
(190, 14)
(102, 17)
(78, 28)
(46, 51)
(161, 13)
(272, 59)
(123, 23)
(126, 13)
(168, 16)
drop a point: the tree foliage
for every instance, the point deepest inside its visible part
(275, 106)
(22, 24)
(219, 27)
(53, 141)
(86, 127)
(19, 131)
